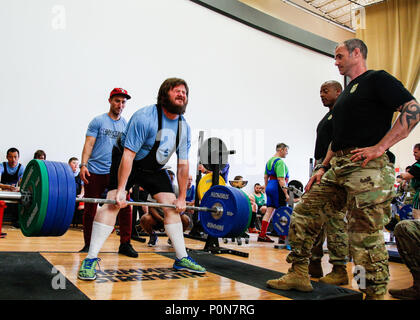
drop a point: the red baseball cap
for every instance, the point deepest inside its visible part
(119, 91)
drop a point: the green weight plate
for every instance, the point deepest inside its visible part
(35, 181)
(250, 211)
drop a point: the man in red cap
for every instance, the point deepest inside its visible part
(101, 135)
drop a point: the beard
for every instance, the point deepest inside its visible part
(173, 108)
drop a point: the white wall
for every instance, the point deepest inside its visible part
(60, 59)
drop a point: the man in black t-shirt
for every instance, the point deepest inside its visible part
(335, 227)
(360, 176)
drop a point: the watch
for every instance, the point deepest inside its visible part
(82, 165)
(324, 167)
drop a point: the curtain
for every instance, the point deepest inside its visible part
(392, 35)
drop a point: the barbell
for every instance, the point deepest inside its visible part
(47, 199)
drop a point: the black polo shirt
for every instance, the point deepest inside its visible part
(323, 136)
(363, 112)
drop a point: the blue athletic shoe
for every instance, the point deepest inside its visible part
(87, 270)
(188, 263)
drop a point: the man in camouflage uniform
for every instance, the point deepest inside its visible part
(356, 173)
(408, 190)
(407, 235)
(335, 228)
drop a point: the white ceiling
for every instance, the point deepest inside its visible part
(337, 11)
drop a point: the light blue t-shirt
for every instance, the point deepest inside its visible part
(11, 170)
(106, 131)
(141, 131)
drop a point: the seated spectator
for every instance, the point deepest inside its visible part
(190, 198)
(202, 169)
(190, 192)
(11, 175)
(152, 219)
(80, 189)
(40, 155)
(261, 207)
(74, 165)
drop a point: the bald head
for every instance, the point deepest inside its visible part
(333, 84)
(330, 90)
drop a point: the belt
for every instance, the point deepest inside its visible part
(344, 152)
(272, 178)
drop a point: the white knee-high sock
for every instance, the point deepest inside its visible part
(100, 232)
(175, 232)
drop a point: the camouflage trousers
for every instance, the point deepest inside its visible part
(366, 193)
(407, 235)
(335, 231)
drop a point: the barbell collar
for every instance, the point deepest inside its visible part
(12, 196)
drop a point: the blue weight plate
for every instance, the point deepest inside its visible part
(224, 196)
(281, 220)
(405, 212)
(71, 197)
(242, 215)
(49, 220)
(62, 199)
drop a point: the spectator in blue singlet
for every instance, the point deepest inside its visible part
(190, 191)
(11, 173)
(275, 176)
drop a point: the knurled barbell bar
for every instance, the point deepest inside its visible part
(47, 199)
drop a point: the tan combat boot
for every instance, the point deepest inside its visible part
(297, 278)
(412, 293)
(374, 297)
(315, 269)
(338, 276)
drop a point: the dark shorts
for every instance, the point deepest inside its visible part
(151, 181)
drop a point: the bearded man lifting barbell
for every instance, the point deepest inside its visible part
(152, 135)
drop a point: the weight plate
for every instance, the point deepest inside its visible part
(213, 151)
(281, 220)
(235, 212)
(69, 184)
(205, 184)
(34, 181)
(250, 212)
(406, 212)
(298, 185)
(49, 221)
(61, 189)
(243, 214)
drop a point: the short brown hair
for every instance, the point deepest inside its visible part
(39, 153)
(72, 159)
(352, 44)
(281, 145)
